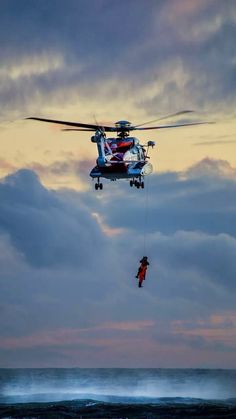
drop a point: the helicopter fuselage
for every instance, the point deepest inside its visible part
(121, 157)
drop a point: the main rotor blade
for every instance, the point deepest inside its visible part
(93, 127)
(77, 129)
(164, 117)
(175, 126)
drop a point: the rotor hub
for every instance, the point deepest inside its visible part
(123, 125)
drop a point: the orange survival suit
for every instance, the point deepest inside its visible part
(142, 270)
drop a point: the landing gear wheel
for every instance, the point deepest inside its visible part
(131, 183)
(98, 185)
(138, 185)
(142, 184)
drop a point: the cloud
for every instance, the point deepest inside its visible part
(68, 337)
(83, 58)
(212, 168)
(69, 259)
(200, 199)
(58, 170)
(5, 165)
(204, 256)
(213, 143)
(31, 66)
(216, 332)
(37, 224)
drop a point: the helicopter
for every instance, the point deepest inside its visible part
(121, 156)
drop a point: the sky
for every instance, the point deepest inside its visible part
(69, 254)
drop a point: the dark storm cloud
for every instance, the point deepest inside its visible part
(55, 228)
(132, 42)
(42, 226)
(202, 199)
(187, 220)
(207, 256)
(80, 27)
(53, 258)
(58, 265)
(203, 57)
(90, 36)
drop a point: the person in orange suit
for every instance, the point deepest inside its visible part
(141, 275)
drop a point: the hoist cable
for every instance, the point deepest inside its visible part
(146, 205)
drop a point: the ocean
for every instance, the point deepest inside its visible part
(117, 393)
